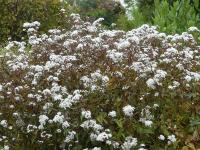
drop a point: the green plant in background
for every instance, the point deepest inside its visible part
(176, 18)
(14, 13)
(138, 19)
(146, 7)
(170, 16)
(141, 12)
(92, 10)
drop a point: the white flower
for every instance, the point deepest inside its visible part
(54, 31)
(171, 51)
(128, 110)
(193, 29)
(142, 148)
(92, 82)
(93, 136)
(42, 120)
(91, 124)
(6, 147)
(155, 105)
(171, 139)
(30, 128)
(70, 136)
(66, 103)
(115, 56)
(148, 123)
(4, 123)
(96, 148)
(129, 143)
(195, 75)
(38, 68)
(123, 44)
(108, 142)
(103, 136)
(58, 118)
(86, 114)
(30, 95)
(160, 74)
(151, 83)
(112, 114)
(46, 92)
(65, 124)
(47, 106)
(31, 25)
(58, 130)
(188, 78)
(1, 88)
(142, 145)
(161, 137)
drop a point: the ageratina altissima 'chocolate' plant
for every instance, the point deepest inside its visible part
(92, 88)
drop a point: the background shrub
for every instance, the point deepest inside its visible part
(176, 18)
(13, 13)
(95, 9)
(171, 16)
(138, 19)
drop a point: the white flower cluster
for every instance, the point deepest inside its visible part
(93, 80)
(115, 56)
(90, 84)
(43, 120)
(112, 114)
(128, 110)
(30, 25)
(129, 143)
(86, 114)
(171, 138)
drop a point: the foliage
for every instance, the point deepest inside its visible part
(171, 17)
(124, 23)
(175, 19)
(94, 88)
(14, 13)
(146, 7)
(109, 10)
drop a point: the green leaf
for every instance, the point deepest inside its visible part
(119, 123)
(145, 130)
(195, 122)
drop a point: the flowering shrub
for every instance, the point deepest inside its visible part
(92, 88)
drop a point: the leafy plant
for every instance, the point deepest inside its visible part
(126, 24)
(170, 16)
(92, 10)
(176, 18)
(14, 13)
(94, 88)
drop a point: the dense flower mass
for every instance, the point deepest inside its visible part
(94, 88)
